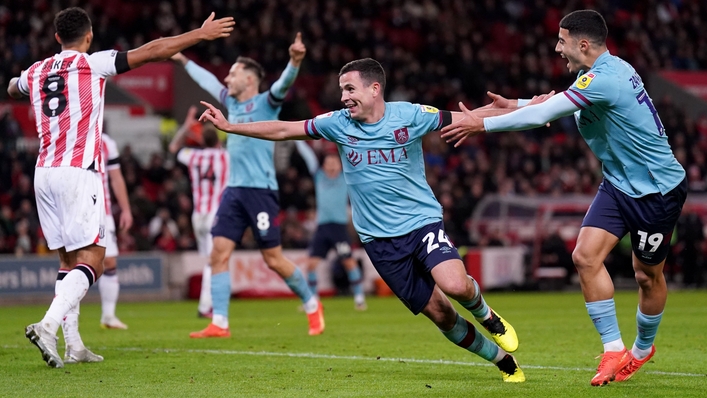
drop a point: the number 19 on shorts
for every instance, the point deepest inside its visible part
(653, 240)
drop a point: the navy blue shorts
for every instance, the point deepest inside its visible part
(240, 208)
(330, 236)
(650, 219)
(405, 262)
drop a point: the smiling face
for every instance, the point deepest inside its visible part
(569, 48)
(238, 79)
(356, 96)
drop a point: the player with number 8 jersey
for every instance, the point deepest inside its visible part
(67, 94)
(250, 199)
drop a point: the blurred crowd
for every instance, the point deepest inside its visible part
(434, 52)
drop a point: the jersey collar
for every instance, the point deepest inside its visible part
(606, 54)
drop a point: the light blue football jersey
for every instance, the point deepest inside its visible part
(384, 167)
(251, 159)
(621, 126)
(332, 198)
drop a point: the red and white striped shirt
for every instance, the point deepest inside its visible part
(67, 95)
(111, 157)
(208, 169)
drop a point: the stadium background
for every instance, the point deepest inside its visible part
(434, 52)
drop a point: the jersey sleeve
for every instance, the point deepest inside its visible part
(327, 126)
(113, 158)
(23, 82)
(595, 87)
(184, 155)
(207, 81)
(109, 62)
(427, 118)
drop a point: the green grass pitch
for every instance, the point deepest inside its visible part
(383, 352)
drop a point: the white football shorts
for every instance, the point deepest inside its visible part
(71, 207)
(111, 237)
(202, 223)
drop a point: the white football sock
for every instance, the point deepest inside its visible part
(616, 345)
(68, 295)
(109, 287)
(311, 305)
(220, 321)
(639, 353)
(205, 302)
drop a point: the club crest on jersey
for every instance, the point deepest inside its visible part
(401, 135)
(429, 109)
(354, 158)
(584, 80)
(249, 107)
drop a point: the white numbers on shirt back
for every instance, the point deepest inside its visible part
(430, 240)
(263, 221)
(654, 240)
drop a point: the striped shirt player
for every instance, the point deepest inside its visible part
(208, 170)
(111, 157)
(67, 96)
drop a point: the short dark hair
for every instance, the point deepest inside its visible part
(369, 69)
(209, 135)
(71, 24)
(253, 66)
(587, 24)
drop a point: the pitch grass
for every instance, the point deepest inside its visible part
(270, 353)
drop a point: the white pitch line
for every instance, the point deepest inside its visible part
(359, 358)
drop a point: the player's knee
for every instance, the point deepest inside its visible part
(584, 261)
(109, 263)
(219, 260)
(645, 280)
(458, 289)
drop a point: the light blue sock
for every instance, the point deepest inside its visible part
(647, 329)
(466, 336)
(355, 281)
(312, 280)
(603, 314)
(477, 305)
(221, 292)
(299, 286)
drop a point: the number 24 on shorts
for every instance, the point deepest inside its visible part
(430, 240)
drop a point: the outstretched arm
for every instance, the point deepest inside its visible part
(279, 89)
(163, 48)
(178, 141)
(527, 117)
(205, 79)
(271, 131)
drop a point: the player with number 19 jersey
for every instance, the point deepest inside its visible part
(621, 125)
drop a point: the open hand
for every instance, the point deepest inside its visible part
(470, 125)
(499, 101)
(125, 221)
(217, 28)
(297, 50)
(213, 115)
